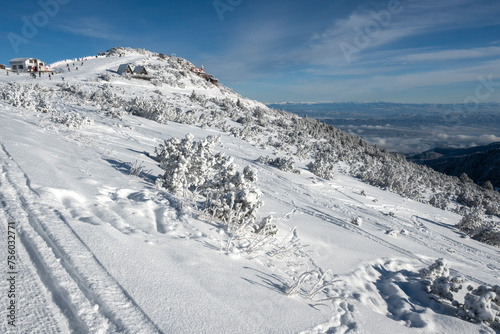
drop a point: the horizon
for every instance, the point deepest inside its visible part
(392, 51)
(374, 102)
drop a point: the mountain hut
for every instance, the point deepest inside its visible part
(21, 65)
(140, 70)
(125, 68)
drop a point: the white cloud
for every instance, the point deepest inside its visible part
(316, 68)
(91, 27)
(443, 136)
(489, 139)
(359, 30)
(375, 127)
(452, 54)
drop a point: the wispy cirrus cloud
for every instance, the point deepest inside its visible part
(453, 54)
(91, 27)
(418, 46)
(368, 29)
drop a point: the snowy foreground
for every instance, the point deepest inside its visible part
(100, 248)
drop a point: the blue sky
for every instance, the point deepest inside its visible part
(445, 51)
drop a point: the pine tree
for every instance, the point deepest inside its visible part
(487, 185)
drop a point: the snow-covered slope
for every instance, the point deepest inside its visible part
(100, 248)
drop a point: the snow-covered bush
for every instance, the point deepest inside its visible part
(188, 165)
(439, 283)
(44, 105)
(115, 113)
(439, 201)
(488, 185)
(105, 76)
(322, 167)
(20, 96)
(465, 178)
(474, 225)
(233, 197)
(282, 163)
(482, 305)
(193, 168)
(490, 234)
(444, 286)
(71, 119)
(438, 269)
(471, 222)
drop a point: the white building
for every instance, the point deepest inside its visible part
(27, 65)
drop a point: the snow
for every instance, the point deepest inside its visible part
(102, 250)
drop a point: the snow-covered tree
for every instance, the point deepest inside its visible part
(488, 185)
(193, 168)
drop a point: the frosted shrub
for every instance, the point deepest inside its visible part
(105, 76)
(44, 106)
(323, 167)
(115, 113)
(437, 269)
(284, 164)
(71, 119)
(439, 201)
(442, 287)
(233, 197)
(21, 96)
(474, 225)
(438, 282)
(488, 185)
(482, 305)
(192, 168)
(490, 234)
(471, 222)
(492, 207)
(303, 151)
(188, 165)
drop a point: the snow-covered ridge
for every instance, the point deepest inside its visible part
(75, 154)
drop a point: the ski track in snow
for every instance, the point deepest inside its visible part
(32, 294)
(87, 294)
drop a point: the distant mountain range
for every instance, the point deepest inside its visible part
(480, 163)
